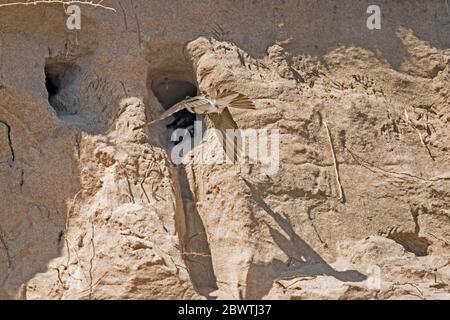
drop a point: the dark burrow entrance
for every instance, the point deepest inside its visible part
(411, 242)
(169, 92)
(58, 75)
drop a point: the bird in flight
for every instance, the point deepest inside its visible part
(215, 107)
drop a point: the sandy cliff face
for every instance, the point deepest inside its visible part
(93, 209)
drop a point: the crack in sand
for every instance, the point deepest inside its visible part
(8, 128)
(6, 248)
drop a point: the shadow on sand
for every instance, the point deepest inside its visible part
(303, 260)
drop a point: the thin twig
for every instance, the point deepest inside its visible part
(336, 167)
(130, 190)
(198, 254)
(91, 261)
(143, 181)
(399, 175)
(421, 296)
(64, 2)
(420, 135)
(440, 239)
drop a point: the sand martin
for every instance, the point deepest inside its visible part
(215, 107)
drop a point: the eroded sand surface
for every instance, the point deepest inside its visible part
(92, 209)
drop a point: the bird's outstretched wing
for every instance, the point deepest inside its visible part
(223, 121)
(189, 103)
(228, 98)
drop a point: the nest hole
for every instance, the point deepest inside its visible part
(171, 91)
(412, 243)
(58, 75)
